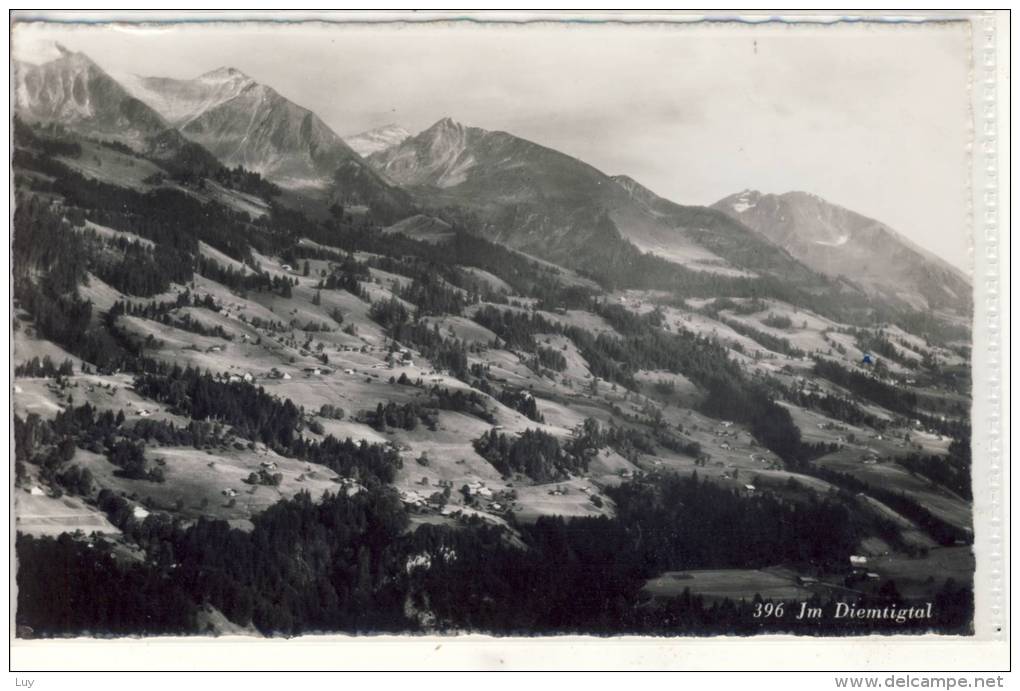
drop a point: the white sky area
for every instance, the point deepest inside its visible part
(875, 118)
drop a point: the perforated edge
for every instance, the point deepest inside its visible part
(987, 446)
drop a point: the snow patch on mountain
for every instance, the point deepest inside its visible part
(838, 242)
(181, 101)
(378, 139)
(747, 199)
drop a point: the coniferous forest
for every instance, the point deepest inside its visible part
(389, 407)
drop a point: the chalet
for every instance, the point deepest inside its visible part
(140, 513)
(411, 497)
(348, 371)
(228, 492)
(36, 491)
(872, 576)
(857, 561)
(749, 488)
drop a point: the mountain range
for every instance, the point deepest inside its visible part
(508, 189)
(266, 384)
(839, 242)
(542, 201)
(73, 92)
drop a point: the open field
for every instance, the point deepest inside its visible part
(196, 480)
(922, 576)
(733, 584)
(891, 476)
(103, 163)
(44, 515)
(571, 498)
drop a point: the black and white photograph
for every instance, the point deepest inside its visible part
(385, 327)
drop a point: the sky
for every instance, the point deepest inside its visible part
(875, 118)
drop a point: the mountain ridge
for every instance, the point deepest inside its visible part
(249, 124)
(537, 199)
(75, 92)
(838, 241)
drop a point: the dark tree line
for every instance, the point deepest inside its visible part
(444, 353)
(246, 181)
(44, 368)
(533, 453)
(941, 531)
(521, 401)
(348, 564)
(256, 415)
(432, 296)
(866, 386)
(547, 358)
(837, 407)
(774, 343)
(516, 329)
(138, 269)
(952, 471)
(406, 416)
